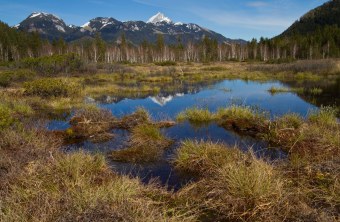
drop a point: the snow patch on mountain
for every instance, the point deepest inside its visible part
(85, 25)
(60, 28)
(159, 18)
(194, 27)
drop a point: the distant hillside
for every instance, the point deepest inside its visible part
(327, 14)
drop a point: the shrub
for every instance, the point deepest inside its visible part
(49, 87)
(8, 77)
(6, 118)
(51, 65)
(12, 112)
(166, 63)
(119, 69)
(215, 68)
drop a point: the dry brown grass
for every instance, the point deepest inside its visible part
(202, 158)
(130, 121)
(81, 187)
(90, 123)
(236, 186)
(314, 66)
(317, 138)
(21, 145)
(233, 185)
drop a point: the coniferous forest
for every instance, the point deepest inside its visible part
(322, 43)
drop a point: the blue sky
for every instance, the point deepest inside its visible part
(235, 19)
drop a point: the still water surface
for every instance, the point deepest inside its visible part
(168, 105)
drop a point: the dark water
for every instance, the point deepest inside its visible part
(167, 105)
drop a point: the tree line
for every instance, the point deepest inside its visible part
(323, 43)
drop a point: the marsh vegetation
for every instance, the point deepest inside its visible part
(196, 137)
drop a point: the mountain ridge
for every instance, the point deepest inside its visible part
(52, 27)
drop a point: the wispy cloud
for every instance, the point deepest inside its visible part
(242, 19)
(148, 3)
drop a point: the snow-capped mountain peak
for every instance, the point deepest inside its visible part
(42, 14)
(158, 18)
(51, 27)
(99, 23)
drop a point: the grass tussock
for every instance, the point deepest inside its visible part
(195, 115)
(275, 90)
(232, 185)
(317, 138)
(82, 187)
(146, 144)
(242, 119)
(91, 123)
(140, 116)
(96, 125)
(202, 158)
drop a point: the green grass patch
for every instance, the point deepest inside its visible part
(275, 90)
(326, 116)
(13, 111)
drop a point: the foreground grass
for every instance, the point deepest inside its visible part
(40, 183)
(233, 185)
(236, 186)
(82, 187)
